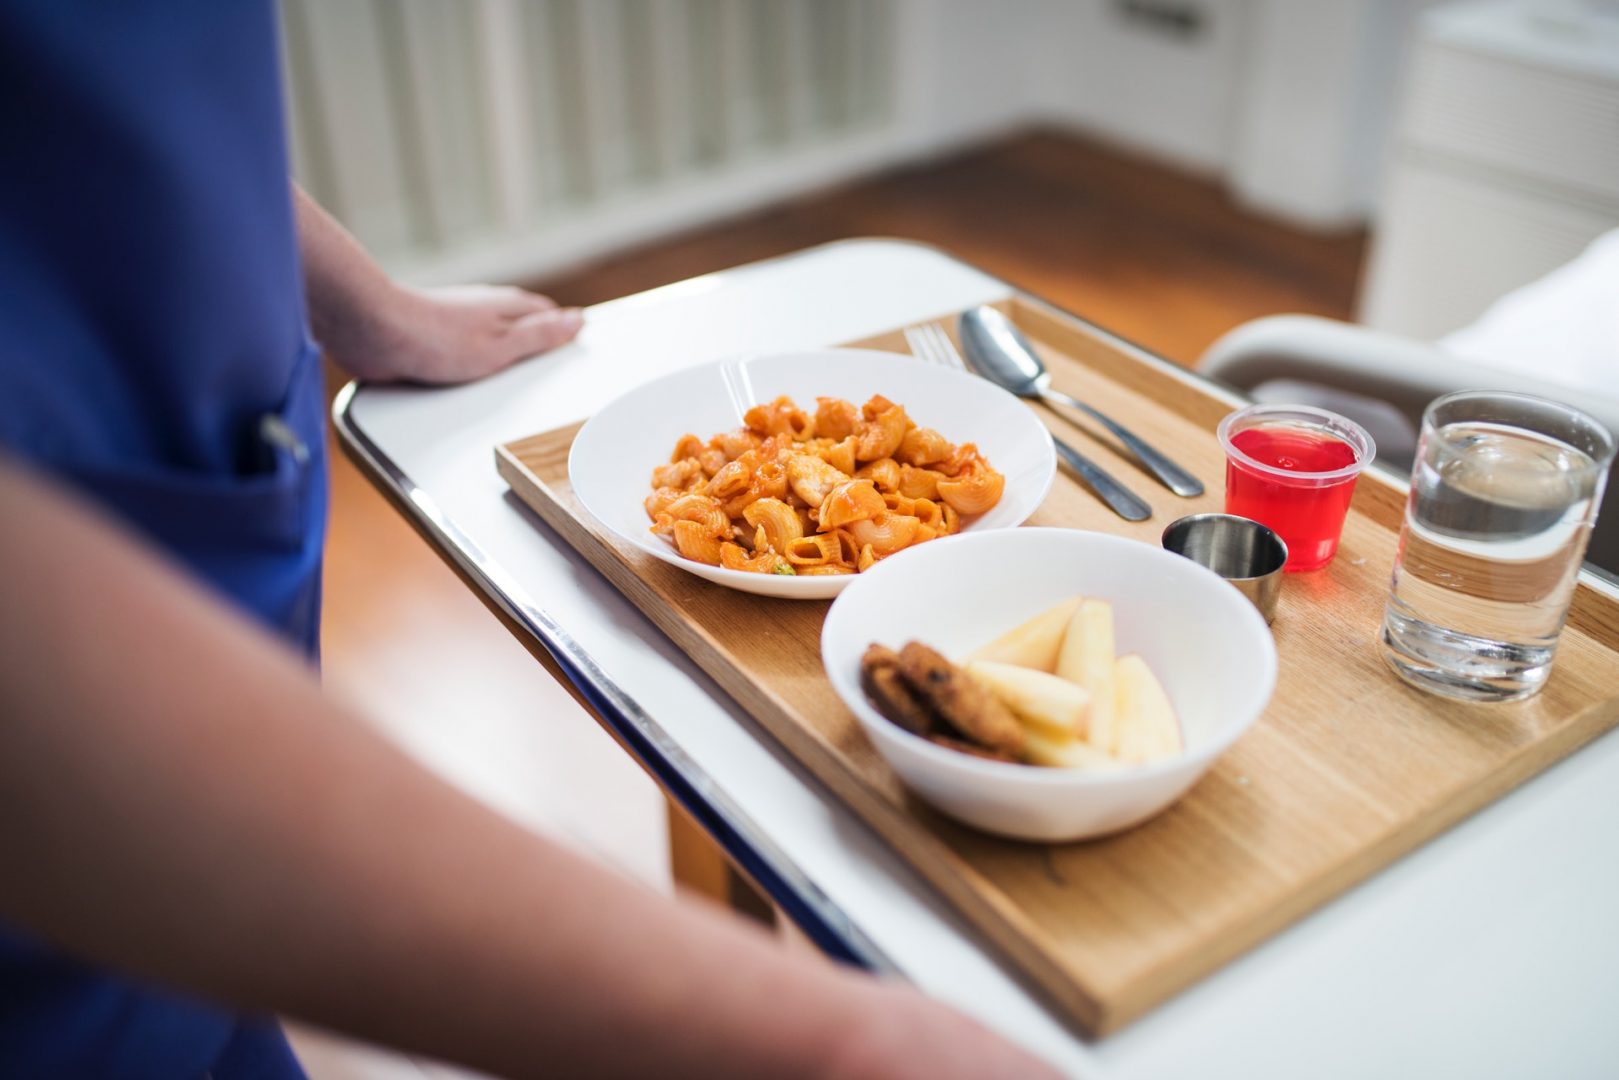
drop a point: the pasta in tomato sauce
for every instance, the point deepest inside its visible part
(829, 492)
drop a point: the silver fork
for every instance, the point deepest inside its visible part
(930, 343)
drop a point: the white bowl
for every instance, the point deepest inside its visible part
(1208, 646)
(610, 465)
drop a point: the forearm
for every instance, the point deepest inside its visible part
(350, 297)
(182, 802)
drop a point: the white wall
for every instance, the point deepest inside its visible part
(1169, 96)
(1315, 108)
(1290, 101)
(981, 68)
(963, 72)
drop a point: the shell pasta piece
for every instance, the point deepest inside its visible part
(701, 510)
(659, 501)
(780, 417)
(840, 455)
(916, 483)
(835, 418)
(833, 491)
(976, 490)
(815, 550)
(880, 436)
(681, 474)
(812, 479)
(923, 446)
(928, 512)
(779, 522)
(697, 544)
(886, 533)
(852, 500)
(735, 557)
(886, 473)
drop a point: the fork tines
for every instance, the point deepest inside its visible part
(930, 343)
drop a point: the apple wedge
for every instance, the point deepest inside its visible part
(1033, 644)
(1146, 724)
(1072, 754)
(1054, 708)
(1086, 658)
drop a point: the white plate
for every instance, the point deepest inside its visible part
(611, 463)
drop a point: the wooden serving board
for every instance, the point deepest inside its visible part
(1347, 769)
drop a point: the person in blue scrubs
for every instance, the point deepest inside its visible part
(184, 819)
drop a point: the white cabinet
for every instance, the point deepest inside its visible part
(1505, 163)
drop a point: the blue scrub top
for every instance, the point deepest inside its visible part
(154, 358)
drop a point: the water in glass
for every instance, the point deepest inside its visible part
(1494, 533)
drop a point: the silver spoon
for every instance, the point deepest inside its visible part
(930, 343)
(997, 350)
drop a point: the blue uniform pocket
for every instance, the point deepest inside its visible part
(255, 537)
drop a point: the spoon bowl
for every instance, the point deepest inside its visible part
(998, 350)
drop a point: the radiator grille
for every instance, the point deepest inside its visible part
(500, 137)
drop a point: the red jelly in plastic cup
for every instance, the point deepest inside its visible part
(1293, 468)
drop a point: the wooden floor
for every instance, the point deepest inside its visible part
(1161, 258)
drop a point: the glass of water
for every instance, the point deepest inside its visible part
(1504, 492)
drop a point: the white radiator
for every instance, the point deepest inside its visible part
(499, 139)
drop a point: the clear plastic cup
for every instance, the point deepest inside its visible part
(1293, 468)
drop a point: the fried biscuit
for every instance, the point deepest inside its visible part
(962, 702)
(884, 684)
